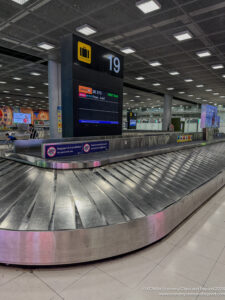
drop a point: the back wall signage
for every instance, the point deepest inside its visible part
(92, 89)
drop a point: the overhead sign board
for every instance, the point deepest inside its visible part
(92, 89)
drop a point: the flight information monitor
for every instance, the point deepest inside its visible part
(92, 89)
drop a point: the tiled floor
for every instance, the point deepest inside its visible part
(192, 257)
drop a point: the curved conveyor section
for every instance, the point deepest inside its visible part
(50, 217)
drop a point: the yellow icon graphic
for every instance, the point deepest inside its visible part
(84, 52)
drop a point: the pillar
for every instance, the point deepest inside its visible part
(167, 112)
(54, 95)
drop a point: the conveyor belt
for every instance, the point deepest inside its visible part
(36, 200)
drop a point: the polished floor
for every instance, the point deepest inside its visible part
(191, 258)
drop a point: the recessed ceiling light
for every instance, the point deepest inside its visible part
(140, 78)
(204, 53)
(21, 2)
(147, 6)
(181, 92)
(17, 90)
(190, 95)
(31, 87)
(170, 88)
(199, 85)
(198, 98)
(124, 94)
(6, 92)
(216, 94)
(127, 50)
(182, 36)
(156, 84)
(223, 75)
(27, 94)
(17, 78)
(35, 74)
(219, 66)
(208, 90)
(222, 96)
(86, 29)
(142, 102)
(40, 93)
(155, 63)
(132, 100)
(174, 73)
(204, 100)
(8, 97)
(188, 80)
(2, 82)
(45, 46)
(149, 99)
(45, 83)
(137, 96)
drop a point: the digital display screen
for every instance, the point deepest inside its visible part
(21, 118)
(209, 117)
(133, 123)
(97, 106)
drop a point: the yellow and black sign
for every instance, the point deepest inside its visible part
(184, 138)
(84, 52)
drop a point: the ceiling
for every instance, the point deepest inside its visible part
(119, 24)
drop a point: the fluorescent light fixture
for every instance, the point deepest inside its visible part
(204, 53)
(204, 100)
(18, 90)
(216, 94)
(174, 73)
(6, 92)
(222, 96)
(2, 82)
(219, 66)
(17, 78)
(199, 85)
(155, 63)
(190, 95)
(149, 99)
(210, 102)
(21, 2)
(170, 88)
(208, 90)
(40, 93)
(45, 46)
(127, 50)
(182, 36)
(223, 75)
(86, 29)
(27, 94)
(142, 102)
(188, 80)
(31, 87)
(35, 74)
(147, 6)
(137, 96)
(140, 78)
(45, 83)
(156, 84)
(181, 92)
(132, 100)
(198, 98)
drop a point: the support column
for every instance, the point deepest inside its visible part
(54, 95)
(167, 112)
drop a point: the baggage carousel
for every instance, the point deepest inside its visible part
(52, 217)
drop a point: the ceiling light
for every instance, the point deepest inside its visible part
(222, 96)
(2, 82)
(147, 6)
(170, 88)
(140, 78)
(182, 36)
(210, 102)
(198, 98)
(21, 2)
(40, 93)
(45, 46)
(223, 75)
(155, 63)
(204, 53)
(216, 94)
(45, 83)
(137, 96)
(190, 95)
(181, 92)
(124, 94)
(156, 84)
(149, 99)
(208, 90)
(86, 29)
(188, 80)
(131, 100)
(17, 90)
(142, 102)
(174, 73)
(31, 87)
(27, 94)
(8, 97)
(219, 66)
(127, 50)
(199, 85)
(6, 92)
(204, 100)
(35, 74)
(17, 78)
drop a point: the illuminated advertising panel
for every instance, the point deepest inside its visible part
(209, 117)
(21, 118)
